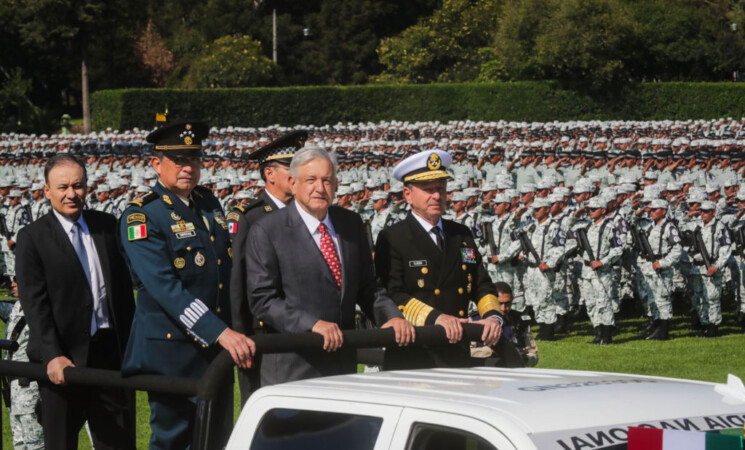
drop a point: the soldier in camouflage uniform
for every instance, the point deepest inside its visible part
(503, 249)
(600, 246)
(656, 269)
(24, 394)
(707, 279)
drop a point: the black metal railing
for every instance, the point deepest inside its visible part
(206, 388)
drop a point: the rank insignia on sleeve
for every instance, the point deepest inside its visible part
(175, 216)
(136, 217)
(219, 218)
(199, 259)
(268, 208)
(136, 232)
(179, 263)
(234, 216)
(468, 255)
(167, 200)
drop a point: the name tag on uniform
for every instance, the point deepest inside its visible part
(468, 255)
(185, 234)
(418, 263)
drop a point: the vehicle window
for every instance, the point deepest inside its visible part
(282, 429)
(426, 436)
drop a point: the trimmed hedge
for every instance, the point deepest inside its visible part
(518, 101)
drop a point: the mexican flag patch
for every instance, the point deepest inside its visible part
(136, 232)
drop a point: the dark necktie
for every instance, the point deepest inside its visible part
(438, 235)
(329, 253)
(77, 243)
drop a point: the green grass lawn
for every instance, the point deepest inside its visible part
(685, 356)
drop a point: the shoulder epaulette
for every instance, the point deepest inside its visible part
(144, 200)
(254, 203)
(240, 208)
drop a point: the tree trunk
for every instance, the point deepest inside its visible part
(84, 87)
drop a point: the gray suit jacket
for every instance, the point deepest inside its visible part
(290, 288)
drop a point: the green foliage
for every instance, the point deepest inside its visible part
(443, 47)
(231, 62)
(512, 101)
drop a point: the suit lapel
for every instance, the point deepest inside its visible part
(423, 241)
(65, 246)
(305, 239)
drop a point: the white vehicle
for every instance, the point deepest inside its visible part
(481, 408)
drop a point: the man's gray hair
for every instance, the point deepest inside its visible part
(308, 154)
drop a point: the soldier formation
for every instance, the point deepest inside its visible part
(572, 215)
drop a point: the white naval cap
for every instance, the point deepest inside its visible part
(423, 166)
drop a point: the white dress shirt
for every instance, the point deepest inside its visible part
(428, 227)
(312, 223)
(276, 201)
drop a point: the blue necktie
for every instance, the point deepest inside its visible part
(77, 243)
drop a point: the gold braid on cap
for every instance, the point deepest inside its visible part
(281, 156)
(178, 147)
(428, 175)
(487, 304)
(416, 312)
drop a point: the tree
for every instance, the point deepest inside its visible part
(232, 61)
(154, 54)
(443, 47)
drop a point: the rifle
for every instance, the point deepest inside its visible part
(4, 227)
(641, 242)
(585, 243)
(527, 246)
(488, 235)
(698, 241)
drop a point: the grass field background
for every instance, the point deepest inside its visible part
(685, 356)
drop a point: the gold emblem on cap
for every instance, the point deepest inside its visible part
(199, 259)
(179, 263)
(420, 283)
(175, 216)
(167, 200)
(187, 140)
(434, 162)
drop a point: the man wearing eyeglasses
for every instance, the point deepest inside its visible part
(178, 248)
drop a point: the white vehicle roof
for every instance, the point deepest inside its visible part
(544, 404)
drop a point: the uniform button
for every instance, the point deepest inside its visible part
(219, 261)
(464, 267)
(437, 292)
(188, 334)
(220, 286)
(261, 323)
(188, 249)
(168, 336)
(425, 270)
(218, 309)
(460, 291)
(212, 238)
(195, 339)
(204, 345)
(461, 313)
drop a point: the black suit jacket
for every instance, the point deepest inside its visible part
(290, 288)
(427, 282)
(54, 292)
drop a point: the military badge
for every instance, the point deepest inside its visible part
(167, 200)
(434, 162)
(175, 216)
(182, 226)
(136, 217)
(179, 263)
(232, 227)
(220, 219)
(199, 259)
(230, 252)
(234, 216)
(468, 255)
(470, 277)
(268, 208)
(136, 232)
(420, 283)
(468, 288)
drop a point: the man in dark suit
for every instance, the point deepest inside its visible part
(176, 242)
(432, 267)
(274, 166)
(77, 297)
(307, 266)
